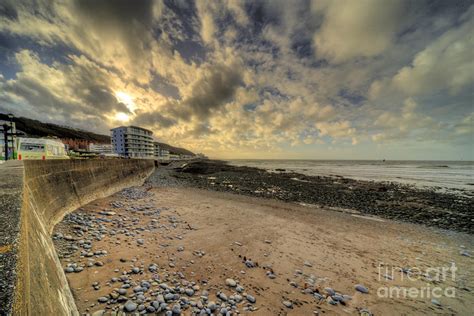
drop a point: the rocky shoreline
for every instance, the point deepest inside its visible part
(387, 200)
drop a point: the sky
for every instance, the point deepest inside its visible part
(279, 79)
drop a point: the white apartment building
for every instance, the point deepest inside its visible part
(100, 148)
(132, 142)
(160, 152)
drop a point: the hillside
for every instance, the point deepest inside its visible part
(40, 129)
(175, 150)
(37, 128)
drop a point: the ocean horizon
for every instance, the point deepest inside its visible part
(440, 175)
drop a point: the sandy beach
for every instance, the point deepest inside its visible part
(291, 259)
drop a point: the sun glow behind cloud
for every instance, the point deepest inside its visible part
(123, 117)
(126, 99)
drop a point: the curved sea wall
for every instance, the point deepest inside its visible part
(45, 191)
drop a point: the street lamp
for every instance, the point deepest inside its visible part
(12, 133)
(5, 135)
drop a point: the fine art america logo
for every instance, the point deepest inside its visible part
(433, 279)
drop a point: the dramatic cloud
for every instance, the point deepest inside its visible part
(270, 79)
(362, 28)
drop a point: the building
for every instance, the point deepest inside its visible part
(76, 144)
(132, 142)
(100, 148)
(160, 152)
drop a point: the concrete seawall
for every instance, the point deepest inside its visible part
(33, 198)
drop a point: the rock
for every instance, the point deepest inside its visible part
(69, 270)
(169, 297)
(331, 301)
(361, 288)
(140, 241)
(435, 302)
(365, 312)
(222, 296)
(212, 306)
(176, 309)
(329, 291)
(189, 292)
(249, 264)
(130, 306)
(99, 313)
(151, 309)
(308, 264)
(288, 304)
(103, 299)
(160, 299)
(250, 298)
(122, 291)
(231, 282)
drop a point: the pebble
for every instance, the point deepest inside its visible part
(222, 296)
(176, 309)
(102, 299)
(362, 289)
(231, 282)
(130, 306)
(250, 298)
(435, 302)
(329, 291)
(288, 304)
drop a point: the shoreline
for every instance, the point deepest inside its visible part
(386, 200)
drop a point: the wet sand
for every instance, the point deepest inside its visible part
(307, 249)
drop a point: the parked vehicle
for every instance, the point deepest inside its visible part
(40, 148)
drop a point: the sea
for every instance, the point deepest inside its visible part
(452, 176)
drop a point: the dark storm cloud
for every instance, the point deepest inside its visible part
(153, 120)
(130, 22)
(7, 9)
(213, 90)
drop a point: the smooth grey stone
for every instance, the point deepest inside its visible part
(361, 288)
(329, 291)
(103, 299)
(176, 309)
(130, 306)
(231, 282)
(250, 298)
(288, 304)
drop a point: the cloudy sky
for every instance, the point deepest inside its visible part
(319, 79)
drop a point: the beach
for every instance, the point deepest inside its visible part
(173, 245)
(391, 200)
